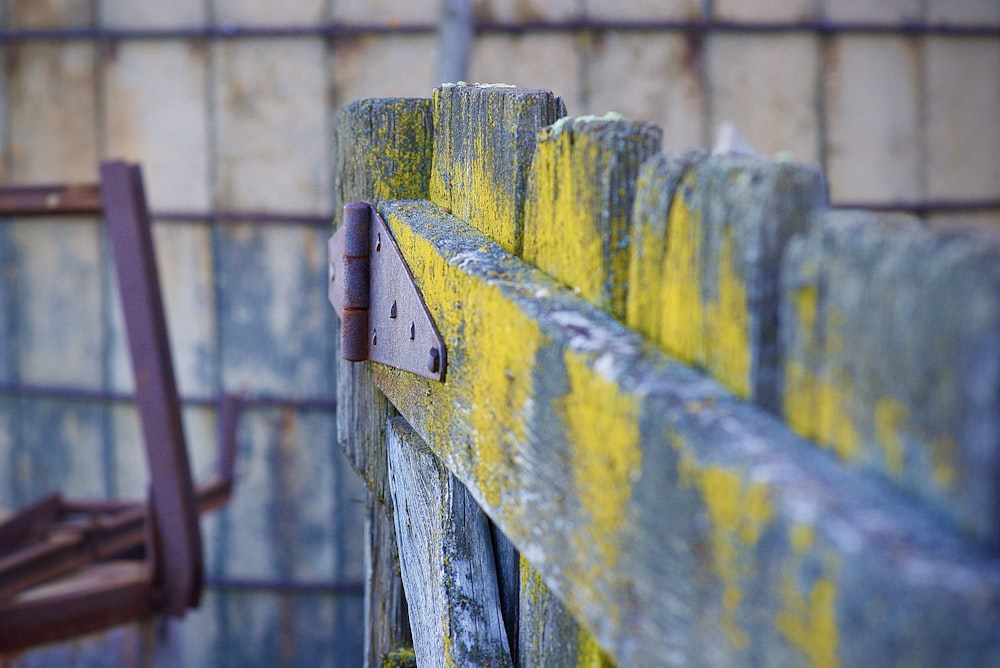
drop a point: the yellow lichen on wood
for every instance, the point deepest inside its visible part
(499, 343)
(589, 653)
(738, 512)
(400, 141)
(483, 145)
(478, 194)
(816, 406)
(563, 239)
(809, 620)
(727, 320)
(603, 427)
(890, 417)
(578, 213)
(710, 332)
(502, 343)
(681, 326)
(644, 305)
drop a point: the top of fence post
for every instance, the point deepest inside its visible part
(484, 140)
(579, 211)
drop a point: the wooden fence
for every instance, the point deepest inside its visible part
(691, 416)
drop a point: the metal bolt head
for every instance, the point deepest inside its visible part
(433, 360)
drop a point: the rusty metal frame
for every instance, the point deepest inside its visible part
(66, 567)
(383, 315)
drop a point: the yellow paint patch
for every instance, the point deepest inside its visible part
(890, 417)
(809, 621)
(603, 426)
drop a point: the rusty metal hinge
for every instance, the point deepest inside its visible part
(382, 313)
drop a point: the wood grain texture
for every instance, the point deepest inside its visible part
(676, 521)
(578, 221)
(446, 557)
(891, 339)
(387, 622)
(549, 636)
(484, 140)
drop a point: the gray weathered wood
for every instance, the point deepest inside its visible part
(713, 290)
(446, 556)
(679, 523)
(382, 148)
(387, 624)
(549, 636)
(891, 346)
(508, 573)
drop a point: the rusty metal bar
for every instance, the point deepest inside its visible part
(926, 207)
(23, 526)
(44, 200)
(211, 217)
(108, 595)
(324, 221)
(174, 506)
(283, 586)
(251, 217)
(75, 533)
(337, 30)
(82, 394)
(69, 547)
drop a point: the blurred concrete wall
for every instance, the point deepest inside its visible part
(224, 120)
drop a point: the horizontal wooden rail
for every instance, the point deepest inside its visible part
(613, 469)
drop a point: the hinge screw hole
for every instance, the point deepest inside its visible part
(378, 242)
(392, 310)
(413, 331)
(374, 337)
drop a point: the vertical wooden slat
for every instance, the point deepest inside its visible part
(484, 140)
(549, 635)
(446, 558)
(890, 336)
(656, 183)
(382, 149)
(710, 290)
(578, 218)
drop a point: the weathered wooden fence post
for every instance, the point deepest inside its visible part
(674, 512)
(382, 150)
